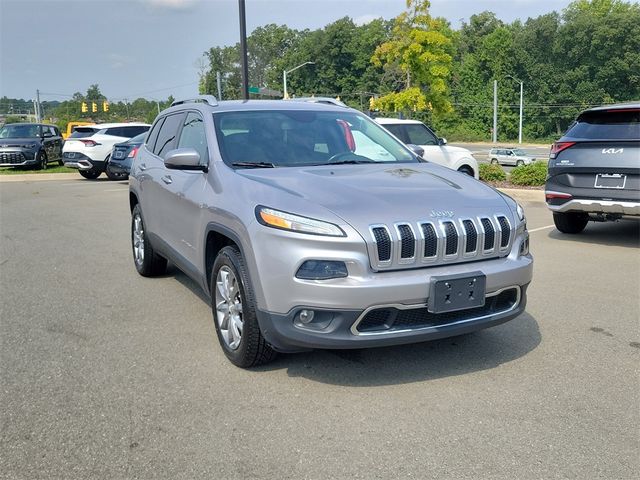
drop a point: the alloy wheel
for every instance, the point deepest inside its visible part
(229, 307)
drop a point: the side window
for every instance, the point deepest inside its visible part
(420, 135)
(167, 135)
(115, 132)
(134, 130)
(193, 136)
(56, 132)
(399, 131)
(153, 136)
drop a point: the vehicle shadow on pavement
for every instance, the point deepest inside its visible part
(447, 357)
(624, 233)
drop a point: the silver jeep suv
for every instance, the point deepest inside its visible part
(310, 227)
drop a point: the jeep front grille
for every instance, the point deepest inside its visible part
(442, 241)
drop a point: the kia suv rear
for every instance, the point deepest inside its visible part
(594, 169)
(88, 148)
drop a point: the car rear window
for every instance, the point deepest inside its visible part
(82, 132)
(622, 124)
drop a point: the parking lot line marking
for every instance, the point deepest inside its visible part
(541, 228)
(116, 190)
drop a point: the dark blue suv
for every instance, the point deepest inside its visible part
(30, 144)
(594, 169)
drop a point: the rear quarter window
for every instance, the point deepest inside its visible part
(623, 124)
(83, 132)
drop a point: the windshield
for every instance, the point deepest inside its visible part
(303, 138)
(19, 131)
(83, 132)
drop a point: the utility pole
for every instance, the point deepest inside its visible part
(39, 108)
(219, 82)
(243, 50)
(520, 128)
(495, 111)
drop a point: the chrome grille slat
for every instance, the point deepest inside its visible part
(440, 241)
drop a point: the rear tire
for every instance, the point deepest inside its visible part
(494, 161)
(91, 174)
(234, 312)
(147, 262)
(571, 222)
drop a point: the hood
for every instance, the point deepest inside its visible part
(363, 195)
(18, 142)
(456, 150)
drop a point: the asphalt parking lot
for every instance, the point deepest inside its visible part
(106, 374)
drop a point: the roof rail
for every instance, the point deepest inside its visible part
(326, 100)
(208, 99)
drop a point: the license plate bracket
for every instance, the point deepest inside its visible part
(610, 180)
(457, 292)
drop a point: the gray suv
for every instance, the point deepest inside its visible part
(311, 227)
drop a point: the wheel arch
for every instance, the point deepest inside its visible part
(217, 237)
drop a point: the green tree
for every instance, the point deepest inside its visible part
(419, 54)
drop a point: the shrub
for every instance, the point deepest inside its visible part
(533, 174)
(492, 173)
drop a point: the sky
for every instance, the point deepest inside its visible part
(150, 48)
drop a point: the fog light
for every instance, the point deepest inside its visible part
(322, 270)
(306, 316)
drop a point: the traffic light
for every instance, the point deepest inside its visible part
(105, 106)
(84, 107)
(94, 107)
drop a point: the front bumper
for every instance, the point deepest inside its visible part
(17, 158)
(340, 328)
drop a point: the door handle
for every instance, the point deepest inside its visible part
(142, 167)
(167, 179)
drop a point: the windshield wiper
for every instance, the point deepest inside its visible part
(253, 164)
(350, 162)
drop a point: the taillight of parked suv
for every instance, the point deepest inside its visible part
(557, 147)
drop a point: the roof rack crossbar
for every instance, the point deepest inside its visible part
(208, 99)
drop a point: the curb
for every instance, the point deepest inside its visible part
(39, 177)
(523, 195)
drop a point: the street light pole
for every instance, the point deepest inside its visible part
(495, 111)
(243, 50)
(284, 77)
(521, 105)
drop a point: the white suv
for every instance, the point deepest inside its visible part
(436, 149)
(88, 148)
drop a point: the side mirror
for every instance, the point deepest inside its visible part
(442, 141)
(47, 135)
(418, 150)
(183, 159)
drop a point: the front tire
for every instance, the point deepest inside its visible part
(41, 160)
(570, 222)
(519, 163)
(147, 262)
(234, 311)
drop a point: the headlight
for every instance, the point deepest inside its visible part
(520, 212)
(30, 146)
(296, 223)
